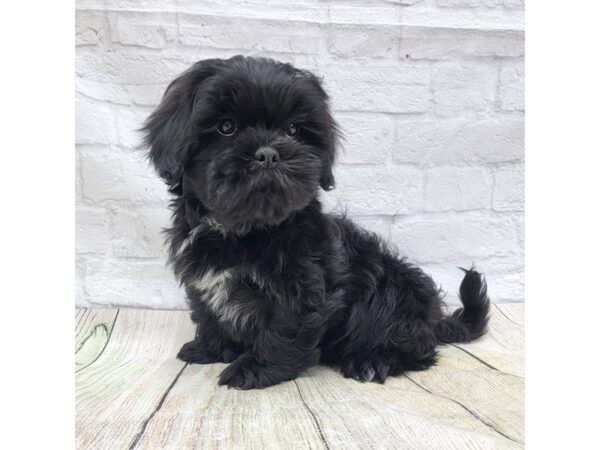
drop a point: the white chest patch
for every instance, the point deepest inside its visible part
(189, 239)
(209, 224)
(214, 288)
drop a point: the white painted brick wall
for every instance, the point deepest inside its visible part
(429, 94)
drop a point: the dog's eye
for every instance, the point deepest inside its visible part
(226, 127)
(291, 130)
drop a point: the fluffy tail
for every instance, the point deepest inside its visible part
(470, 321)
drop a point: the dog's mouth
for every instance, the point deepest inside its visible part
(261, 196)
(266, 179)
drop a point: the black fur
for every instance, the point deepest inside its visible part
(275, 284)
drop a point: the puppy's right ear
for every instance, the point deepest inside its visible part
(168, 130)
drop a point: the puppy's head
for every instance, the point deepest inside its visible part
(249, 140)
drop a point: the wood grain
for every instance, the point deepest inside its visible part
(502, 347)
(200, 414)
(92, 332)
(485, 377)
(514, 312)
(137, 395)
(119, 391)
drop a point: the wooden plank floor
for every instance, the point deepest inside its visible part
(131, 392)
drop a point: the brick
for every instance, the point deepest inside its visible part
(505, 278)
(401, 99)
(458, 188)
(376, 190)
(91, 231)
(367, 138)
(517, 4)
(383, 73)
(461, 239)
(135, 68)
(104, 92)
(78, 187)
(520, 218)
(121, 94)
(94, 123)
(364, 14)
(81, 298)
(509, 188)
(250, 34)
(364, 5)
(115, 175)
(453, 43)
(465, 18)
(511, 88)
(89, 64)
(447, 277)
(147, 95)
(129, 122)
(360, 40)
(303, 10)
(132, 283)
(394, 88)
(378, 225)
(153, 30)
(90, 27)
(459, 141)
(168, 5)
(305, 62)
(137, 232)
(507, 287)
(502, 285)
(463, 87)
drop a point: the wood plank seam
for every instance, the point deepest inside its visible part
(140, 433)
(316, 421)
(105, 345)
(473, 413)
(477, 358)
(507, 318)
(487, 364)
(84, 312)
(483, 420)
(209, 402)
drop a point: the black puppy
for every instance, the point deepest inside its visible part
(275, 284)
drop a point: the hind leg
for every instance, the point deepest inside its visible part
(405, 345)
(393, 331)
(378, 366)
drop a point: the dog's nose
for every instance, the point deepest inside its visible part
(267, 156)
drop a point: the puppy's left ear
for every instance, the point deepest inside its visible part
(327, 180)
(330, 133)
(168, 131)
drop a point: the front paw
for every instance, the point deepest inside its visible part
(247, 373)
(195, 352)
